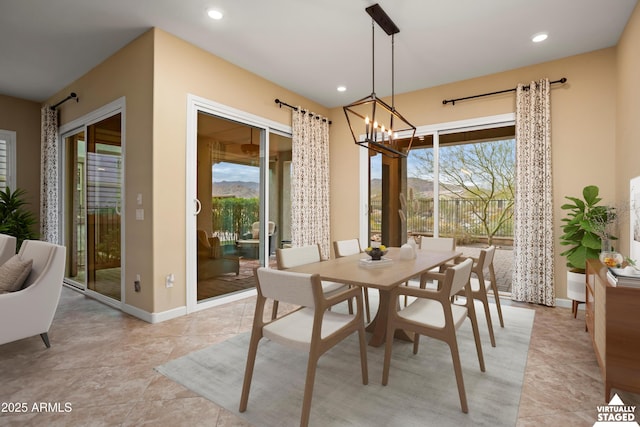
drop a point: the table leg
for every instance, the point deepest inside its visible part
(378, 325)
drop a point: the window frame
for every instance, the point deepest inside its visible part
(10, 140)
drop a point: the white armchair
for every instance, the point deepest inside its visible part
(30, 311)
(7, 247)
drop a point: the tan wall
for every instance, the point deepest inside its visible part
(23, 118)
(182, 69)
(583, 128)
(128, 73)
(627, 146)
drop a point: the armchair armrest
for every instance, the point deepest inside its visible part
(354, 292)
(433, 294)
(430, 275)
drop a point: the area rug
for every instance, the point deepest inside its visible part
(421, 391)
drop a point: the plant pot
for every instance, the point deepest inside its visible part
(576, 286)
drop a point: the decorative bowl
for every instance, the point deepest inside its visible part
(376, 253)
(611, 259)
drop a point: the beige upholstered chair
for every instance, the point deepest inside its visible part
(479, 290)
(300, 255)
(432, 314)
(437, 243)
(30, 311)
(7, 247)
(211, 261)
(433, 244)
(313, 328)
(351, 247)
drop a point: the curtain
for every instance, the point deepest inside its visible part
(49, 175)
(533, 228)
(310, 181)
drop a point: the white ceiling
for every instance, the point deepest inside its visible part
(309, 47)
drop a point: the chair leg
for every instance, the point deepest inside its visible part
(248, 373)
(487, 314)
(476, 334)
(387, 354)
(363, 356)
(496, 296)
(406, 297)
(308, 389)
(367, 310)
(45, 339)
(457, 367)
(416, 342)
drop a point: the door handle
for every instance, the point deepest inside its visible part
(198, 206)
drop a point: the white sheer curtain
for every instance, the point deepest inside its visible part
(533, 234)
(310, 181)
(49, 175)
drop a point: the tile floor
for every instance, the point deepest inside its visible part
(101, 366)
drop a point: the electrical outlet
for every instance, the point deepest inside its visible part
(136, 283)
(169, 280)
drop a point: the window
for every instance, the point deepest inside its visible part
(7, 160)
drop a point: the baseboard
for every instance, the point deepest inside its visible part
(154, 317)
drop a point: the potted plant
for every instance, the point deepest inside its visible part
(585, 231)
(585, 228)
(15, 220)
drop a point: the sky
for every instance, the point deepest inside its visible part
(233, 172)
(224, 171)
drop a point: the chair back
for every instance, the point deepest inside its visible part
(437, 243)
(461, 274)
(204, 248)
(48, 261)
(300, 255)
(346, 247)
(488, 257)
(287, 286)
(7, 247)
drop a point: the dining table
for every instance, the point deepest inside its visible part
(392, 271)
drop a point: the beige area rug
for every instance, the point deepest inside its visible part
(421, 391)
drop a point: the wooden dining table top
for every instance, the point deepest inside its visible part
(385, 277)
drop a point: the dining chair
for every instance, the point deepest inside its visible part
(300, 255)
(313, 328)
(351, 247)
(479, 291)
(434, 244)
(434, 315)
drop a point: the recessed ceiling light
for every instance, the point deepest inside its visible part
(214, 14)
(342, 88)
(537, 38)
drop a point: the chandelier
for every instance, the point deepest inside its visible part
(374, 124)
(250, 149)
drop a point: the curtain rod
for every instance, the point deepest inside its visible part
(281, 103)
(72, 95)
(453, 101)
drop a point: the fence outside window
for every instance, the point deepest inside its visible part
(457, 218)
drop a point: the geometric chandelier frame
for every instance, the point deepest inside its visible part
(374, 124)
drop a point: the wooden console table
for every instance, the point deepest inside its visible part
(613, 320)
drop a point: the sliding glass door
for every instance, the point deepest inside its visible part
(93, 195)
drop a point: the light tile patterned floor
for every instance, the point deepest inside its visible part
(101, 362)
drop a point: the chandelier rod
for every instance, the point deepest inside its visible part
(373, 58)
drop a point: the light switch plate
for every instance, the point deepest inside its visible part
(140, 214)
